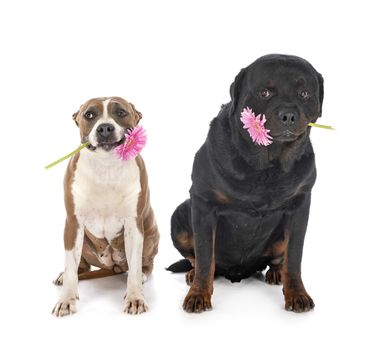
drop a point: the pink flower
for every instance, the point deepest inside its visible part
(255, 127)
(134, 143)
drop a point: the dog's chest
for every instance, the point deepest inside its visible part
(269, 190)
(105, 191)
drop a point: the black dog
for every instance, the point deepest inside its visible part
(249, 204)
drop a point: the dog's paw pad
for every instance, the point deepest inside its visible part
(197, 302)
(135, 305)
(65, 307)
(273, 276)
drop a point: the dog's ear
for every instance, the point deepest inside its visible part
(321, 92)
(236, 87)
(138, 115)
(74, 117)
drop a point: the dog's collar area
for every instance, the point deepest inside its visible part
(106, 146)
(129, 146)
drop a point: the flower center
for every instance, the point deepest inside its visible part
(129, 143)
(257, 126)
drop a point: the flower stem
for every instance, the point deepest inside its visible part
(68, 155)
(328, 127)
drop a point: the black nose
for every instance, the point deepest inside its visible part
(105, 130)
(288, 118)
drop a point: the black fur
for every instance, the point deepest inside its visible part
(254, 196)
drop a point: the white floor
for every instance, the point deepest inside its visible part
(246, 314)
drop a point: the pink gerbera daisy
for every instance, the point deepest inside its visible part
(135, 141)
(255, 127)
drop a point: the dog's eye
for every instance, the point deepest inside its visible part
(304, 94)
(121, 113)
(264, 93)
(89, 115)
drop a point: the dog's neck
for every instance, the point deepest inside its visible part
(104, 167)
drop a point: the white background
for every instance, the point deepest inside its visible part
(175, 61)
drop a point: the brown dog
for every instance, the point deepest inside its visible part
(110, 223)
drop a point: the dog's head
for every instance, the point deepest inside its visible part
(287, 89)
(103, 121)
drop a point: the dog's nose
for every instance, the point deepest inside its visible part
(287, 117)
(105, 130)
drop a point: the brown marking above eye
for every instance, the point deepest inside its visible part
(92, 109)
(301, 81)
(118, 110)
(121, 113)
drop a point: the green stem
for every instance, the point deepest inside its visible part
(68, 155)
(328, 127)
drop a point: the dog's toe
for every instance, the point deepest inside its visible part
(273, 276)
(299, 302)
(197, 302)
(65, 307)
(135, 305)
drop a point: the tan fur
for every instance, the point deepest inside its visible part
(146, 220)
(221, 197)
(278, 254)
(130, 121)
(103, 198)
(199, 295)
(94, 247)
(186, 241)
(71, 224)
(85, 126)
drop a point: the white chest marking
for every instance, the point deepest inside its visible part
(105, 192)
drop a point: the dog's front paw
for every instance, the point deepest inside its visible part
(298, 301)
(65, 307)
(134, 304)
(197, 301)
(273, 276)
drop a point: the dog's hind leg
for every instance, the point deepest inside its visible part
(273, 274)
(82, 268)
(150, 245)
(275, 255)
(183, 240)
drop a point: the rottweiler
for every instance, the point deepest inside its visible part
(249, 203)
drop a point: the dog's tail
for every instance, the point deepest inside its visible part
(182, 265)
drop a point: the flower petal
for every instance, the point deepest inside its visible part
(134, 143)
(255, 126)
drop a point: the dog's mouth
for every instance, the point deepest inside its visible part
(286, 135)
(106, 145)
